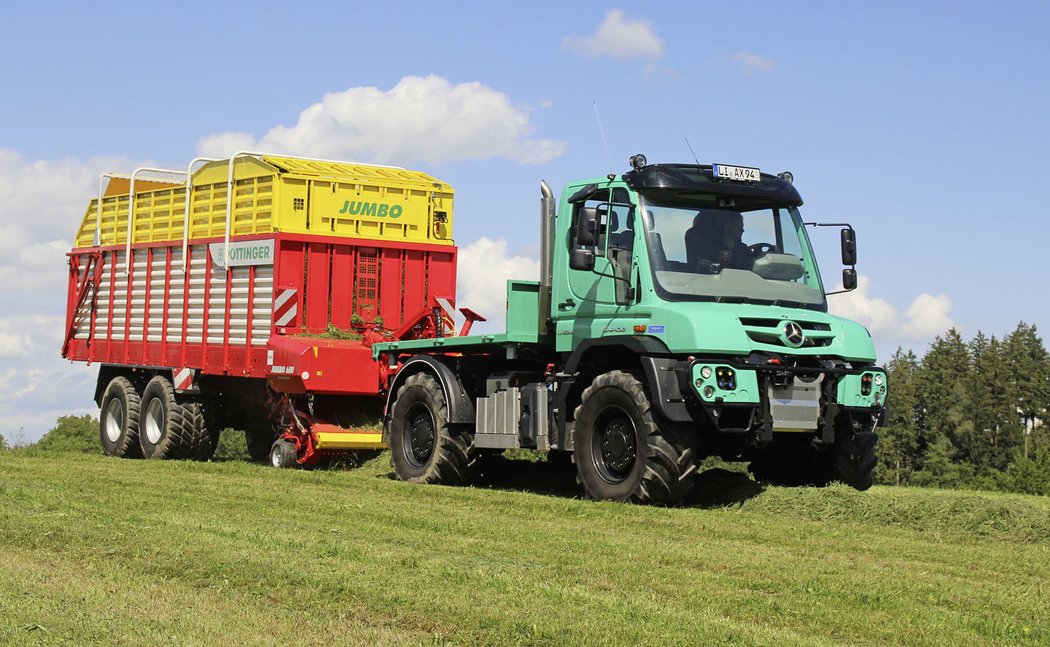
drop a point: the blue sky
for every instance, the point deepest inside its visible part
(922, 124)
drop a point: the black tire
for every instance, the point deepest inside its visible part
(118, 419)
(853, 460)
(282, 453)
(166, 427)
(621, 454)
(204, 436)
(424, 447)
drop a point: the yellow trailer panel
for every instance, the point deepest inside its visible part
(277, 194)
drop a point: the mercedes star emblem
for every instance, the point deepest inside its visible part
(793, 334)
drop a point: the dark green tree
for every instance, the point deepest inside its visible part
(995, 434)
(1029, 367)
(943, 405)
(72, 434)
(899, 437)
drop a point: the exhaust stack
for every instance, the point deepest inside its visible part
(546, 255)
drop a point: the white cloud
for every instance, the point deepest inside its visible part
(420, 119)
(618, 37)
(42, 203)
(36, 384)
(41, 206)
(751, 63)
(927, 316)
(484, 267)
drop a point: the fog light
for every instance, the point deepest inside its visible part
(705, 372)
(699, 383)
(709, 392)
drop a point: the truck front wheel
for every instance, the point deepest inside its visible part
(620, 452)
(854, 460)
(424, 446)
(119, 419)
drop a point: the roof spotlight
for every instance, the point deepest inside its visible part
(786, 176)
(638, 162)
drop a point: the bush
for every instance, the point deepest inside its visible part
(72, 434)
(1026, 476)
(232, 446)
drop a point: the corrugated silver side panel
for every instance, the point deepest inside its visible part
(176, 287)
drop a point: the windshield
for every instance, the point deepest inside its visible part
(757, 255)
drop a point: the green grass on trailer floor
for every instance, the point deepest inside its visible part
(106, 551)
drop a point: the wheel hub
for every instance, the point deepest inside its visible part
(154, 421)
(614, 445)
(114, 420)
(618, 448)
(421, 436)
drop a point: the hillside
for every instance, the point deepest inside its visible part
(136, 553)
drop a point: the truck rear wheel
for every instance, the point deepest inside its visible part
(424, 446)
(119, 419)
(165, 426)
(854, 460)
(620, 452)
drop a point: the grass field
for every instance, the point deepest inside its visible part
(106, 551)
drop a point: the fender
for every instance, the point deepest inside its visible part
(656, 361)
(460, 405)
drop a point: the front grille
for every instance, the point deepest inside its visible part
(768, 332)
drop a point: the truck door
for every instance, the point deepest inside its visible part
(592, 304)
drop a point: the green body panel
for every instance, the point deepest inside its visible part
(523, 310)
(746, 391)
(849, 391)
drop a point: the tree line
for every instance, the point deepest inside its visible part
(970, 414)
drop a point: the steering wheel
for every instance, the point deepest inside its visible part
(759, 249)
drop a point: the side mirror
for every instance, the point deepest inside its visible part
(849, 279)
(581, 259)
(587, 227)
(849, 247)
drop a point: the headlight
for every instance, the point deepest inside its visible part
(878, 379)
(705, 372)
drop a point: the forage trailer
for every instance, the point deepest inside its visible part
(247, 293)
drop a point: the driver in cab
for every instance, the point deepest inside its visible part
(715, 239)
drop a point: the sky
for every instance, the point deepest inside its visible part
(922, 124)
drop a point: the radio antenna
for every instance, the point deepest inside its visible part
(691, 151)
(602, 131)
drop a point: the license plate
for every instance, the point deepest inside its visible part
(737, 173)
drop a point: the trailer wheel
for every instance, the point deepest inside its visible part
(204, 435)
(282, 453)
(853, 461)
(165, 426)
(424, 447)
(620, 452)
(119, 419)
